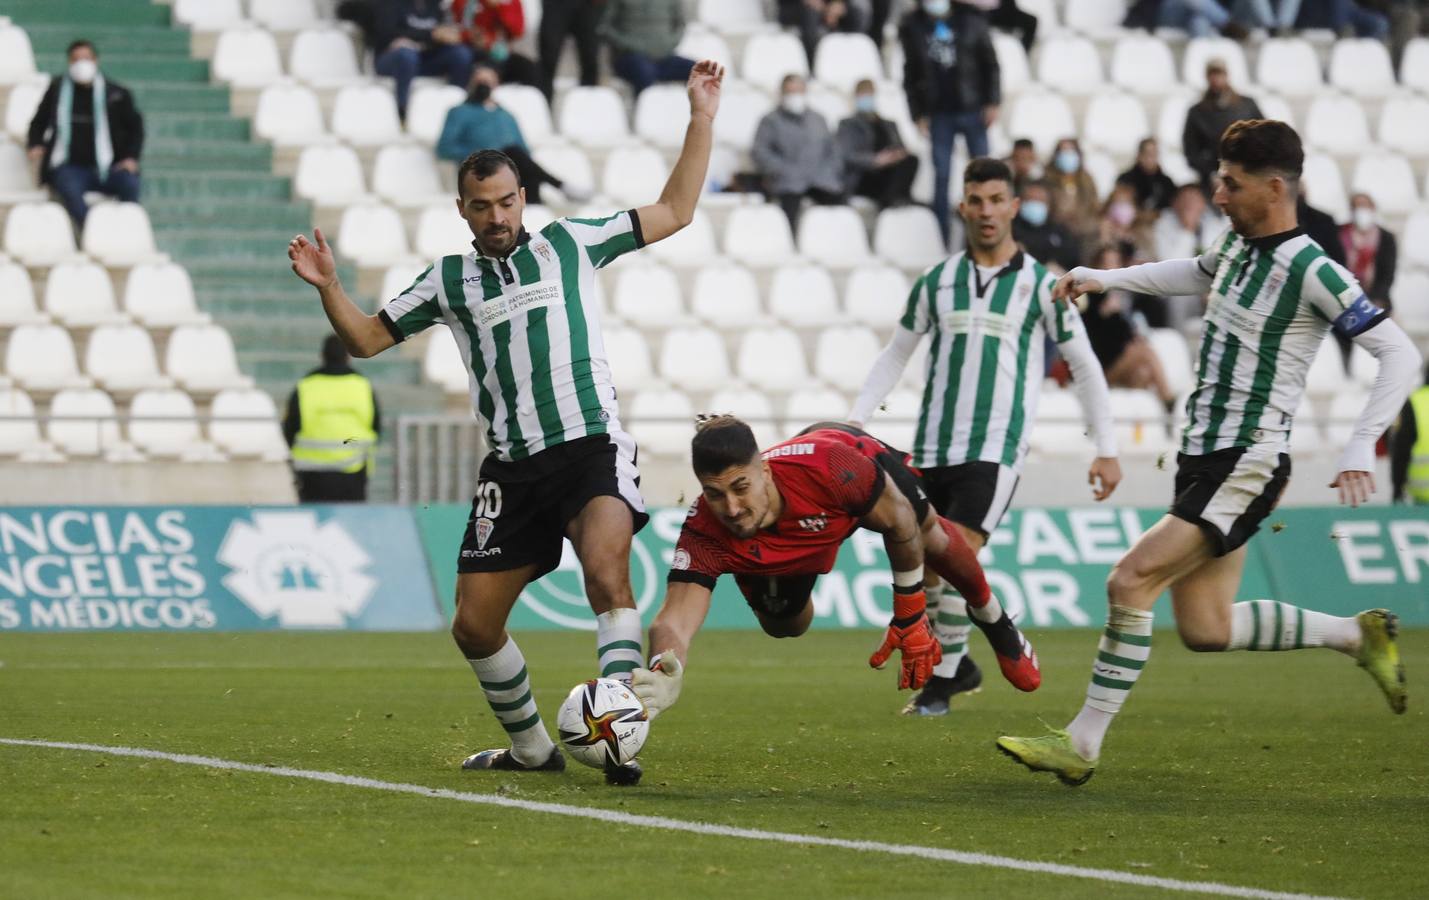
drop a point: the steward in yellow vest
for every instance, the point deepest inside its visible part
(1409, 450)
(332, 425)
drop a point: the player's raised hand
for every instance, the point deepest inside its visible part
(1355, 487)
(1075, 283)
(312, 260)
(912, 635)
(706, 79)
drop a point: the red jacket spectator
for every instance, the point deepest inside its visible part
(489, 21)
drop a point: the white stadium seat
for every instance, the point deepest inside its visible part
(283, 15)
(427, 109)
(594, 117)
(1143, 65)
(246, 56)
(528, 107)
(895, 422)
(20, 105)
(740, 109)
(1274, 106)
(372, 235)
(1410, 310)
(651, 296)
(366, 116)
(1094, 17)
(767, 58)
(80, 295)
(842, 59)
(694, 359)
(876, 296)
(245, 425)
(1069, 65)
(208, 15)
(1289, 66)
(17, 297)
(803, 296)
(201, 358)
(1170, 347)
(751, 406)
(1048, 13)
(119, 234)
(17, 185)
(1306, 433)
(1013, 66)
(629, 355)
(1200, 51)
(441, 231)
(1171, 118)
(727, 296)
(289, 115)
(17, 57)
(42, 358)
(161, 295)
(121, 359)
(164, 423)
(39, 234)
(1140, 422)
(1058, 429)
(908, 237)
(662, 422)
(661, 113)
(405, 175)
(442, 363)
(732, 16)
(833, 236)
(1043, 118)
(1337, 124)
(1404, 125)
(1116, 123)
(700, 43)
(1345, 409)
(758, 235)
(772, 359)
(329, 175)
(692, 245)
(19, 432)
(1103, 170)
(83, 422)
(1414, 65)
(568, 163)
(1324, 186)
(808, 405)
(1361, 66)
(634, 176)
(1413, 243)
(844, 355)
(1388, 179)
(324, 57)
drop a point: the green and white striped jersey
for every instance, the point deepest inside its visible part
(529, 330)
(985, 364)
(1271, 302)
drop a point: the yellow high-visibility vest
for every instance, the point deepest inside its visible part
(1418, 485)
(337, 433)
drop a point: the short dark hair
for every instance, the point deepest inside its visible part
(485, 163)
(984, 169)
(721, 442)
(1023, 144)
(1264, 145)
(788, 80)
(75, 45)
(334, 351)
(1144, 143)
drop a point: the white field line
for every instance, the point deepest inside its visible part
(939, 854)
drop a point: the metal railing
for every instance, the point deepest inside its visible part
(438, 458)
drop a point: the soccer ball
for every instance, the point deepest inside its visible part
(602, 721)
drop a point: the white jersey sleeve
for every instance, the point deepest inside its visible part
(606, 239)
(415, 309)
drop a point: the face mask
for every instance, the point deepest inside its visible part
(481, 93)
(82, 71)
(1363, 218)
(795, 104)
(1067, 161)
(865, 103)
(1034, 212)
(937, 8)
(1122, 213)
(500, 51)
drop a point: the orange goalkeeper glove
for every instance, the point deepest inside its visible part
(911, 633)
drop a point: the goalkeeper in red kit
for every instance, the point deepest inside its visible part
(775, 521)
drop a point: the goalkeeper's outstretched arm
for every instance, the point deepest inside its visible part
(680, 616)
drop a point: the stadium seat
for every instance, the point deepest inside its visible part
(808, 405)
(208, 15)
(1324, 186)
(1289, 66)
(629, 354)
(843, 59)
(17, 185)
(662, 422)
(244, 424)
(1102, 168)
(895, 422)
(366, 116)
(772, 359)
(844, 355)
(1171, 118)
(405, 175)
(121, 359)
(804, 296)
(1408, 293)
(1413, 243)
(568, 163)
(1143, 65)
(727, 296)
(164, 423)
(767, 58)
(17, 297)
(1337, 125)
(1048, 13)
(1361, 67)
(1404, 125)
(161, 295)
(1094, 17)
(1345, 409)
(833, 105)
(528, 106)
(79, 294)
(1414, 65)
(908, 237)
(751, 406)
(17, 57)
(427, 110)
(19, 431)
(634, 176)
(700, 43)
(1116, 123)
(1059, 430)
(399, 277)
(39, 234)
(246, 56)
(372, 234)
(119, 234)
(594, 117)
(694, 359)
(1274, 106)
(661, 113)
(283, 15)
(876, 296)
(20, 106)
(651, 296)
(83, 422)
(1013, 66)
(692, 245)
(325, 58)
(442, 363)
(329, 175)
(758, 236)
(1200, 51)
(740, 110)
(1388, 179)
(1170, 347)
(1139, 422)
(41, 358)
(201, 359)
(833, 236)
(1042, 117)
(289, 115)
(1069, 65)
(1306, 433)
(442, 232)
(732, 16)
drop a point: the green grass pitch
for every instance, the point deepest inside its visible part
(1278, 771)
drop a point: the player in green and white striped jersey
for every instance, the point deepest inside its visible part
(989, 310)
(522, 308)
(1274, 295)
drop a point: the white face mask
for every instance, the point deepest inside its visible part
(82, 71)
(1363, 217)
(795, 103)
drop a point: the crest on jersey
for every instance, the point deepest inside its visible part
(484, 527)
(1022, 291)
(681, 560)
(543, 250)
(1273, 284)
(814, 523)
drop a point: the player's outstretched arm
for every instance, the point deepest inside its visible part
(680, 616)
(363, 335)
(884, 374)
(909, 631)
(1172, 277)
(1399, 366)
(676, 207)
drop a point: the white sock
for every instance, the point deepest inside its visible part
(1121, 655)
(989, 612)
(617, 643)
(951, 626)
(508, 691)
(1271, 625)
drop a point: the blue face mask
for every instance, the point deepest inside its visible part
(1034, 212)
(1067, 161)
(865, 103)
(937, 8)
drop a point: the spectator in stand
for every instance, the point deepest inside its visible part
(489, 27)
(875, 162)
(1043, 239)
(577, 19)
(1182, 232)
(878, 14)
(481, 124)
(953, 84)
(1024, 165)
(86, 135)
(1319, 225)
(1154, 188)
(643, 35)
(1075, 203)
(1371, 253)
(1209, 119)
(414, 37)
(796, 154)
(1126, 355)
(1206, 18)
(1339, 15)
(1120, 225)
(1005, 16)
(816, 18)
(1409, 449)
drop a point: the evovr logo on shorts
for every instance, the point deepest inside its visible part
(814, 523)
